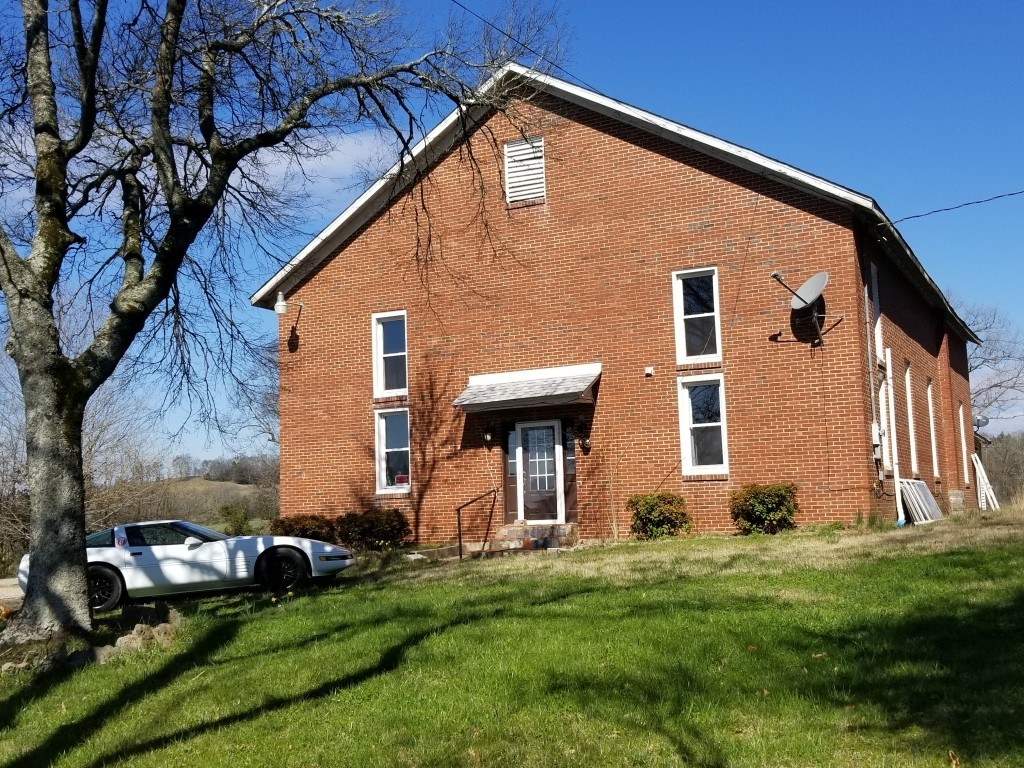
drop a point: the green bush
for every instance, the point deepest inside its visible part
(235, 519)
(376, 529)
(764, 508)
(306, 526)
(658, 514)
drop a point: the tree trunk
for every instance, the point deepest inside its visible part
(56, 601)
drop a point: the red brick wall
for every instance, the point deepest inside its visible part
(586, 277)
(917, 334)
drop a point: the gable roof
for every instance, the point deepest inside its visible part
(453, 127)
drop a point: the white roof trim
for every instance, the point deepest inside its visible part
(377, 196)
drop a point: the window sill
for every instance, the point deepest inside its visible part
(708, 477)
(699, 365)
(404, 490)
(531, 203)
(396, 399)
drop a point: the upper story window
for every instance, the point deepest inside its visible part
(876, 315)
(389, 355)
(524, 170)
(931, 428)
(908, 385)
(702, 424)
(695, 302)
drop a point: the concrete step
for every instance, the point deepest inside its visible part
(531, 536)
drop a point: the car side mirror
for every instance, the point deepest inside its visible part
(192, 541)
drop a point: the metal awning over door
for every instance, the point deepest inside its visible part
(564, 385)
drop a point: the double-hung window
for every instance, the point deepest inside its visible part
(393, 450)
(695, 304)
(389, 355)
(702, 424)
(931, 429)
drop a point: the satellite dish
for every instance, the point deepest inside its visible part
(810, 291)
(980, 421)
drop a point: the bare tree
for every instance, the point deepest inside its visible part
(137, 142)
(254, 420)
(997, 364)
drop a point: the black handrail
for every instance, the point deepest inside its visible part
(474, 500)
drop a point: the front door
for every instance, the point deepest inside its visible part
(539, 471)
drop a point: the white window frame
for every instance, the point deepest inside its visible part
(883, 422)
(908, 385)
(683, 383)
(931, 427)
(525, 175)
(680, 318)
(377, 325)
(381, 451)
(963, 447)
(876, 308)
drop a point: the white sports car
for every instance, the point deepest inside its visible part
(171, 556)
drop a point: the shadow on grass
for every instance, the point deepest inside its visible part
(199, 655)
(953, 672)
(661, 699)
(78, 731)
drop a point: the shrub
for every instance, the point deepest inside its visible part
(376, 529)
(764, 508)
(236, 520)
(306, 526)
(658, 514)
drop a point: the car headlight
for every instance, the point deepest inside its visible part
(329, 558)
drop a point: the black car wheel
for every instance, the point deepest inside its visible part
(282, 569)
(105, 588)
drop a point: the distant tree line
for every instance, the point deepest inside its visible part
(260, 470)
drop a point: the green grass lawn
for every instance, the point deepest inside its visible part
(826, 648)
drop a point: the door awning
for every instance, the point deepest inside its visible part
(529, 388)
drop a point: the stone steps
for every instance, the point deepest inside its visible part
(524, 537)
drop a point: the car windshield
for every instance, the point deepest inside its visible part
(199, 531)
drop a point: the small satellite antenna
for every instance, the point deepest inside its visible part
(810, 291)
(980, 421)
(806, 295)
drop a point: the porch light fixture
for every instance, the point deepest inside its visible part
(281, 306)
(488, 433)
(585, 443)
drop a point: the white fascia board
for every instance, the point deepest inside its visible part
(374, 198)
(902, 246)
(695, 139)
(356, 214)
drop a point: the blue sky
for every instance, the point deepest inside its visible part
(918, 105)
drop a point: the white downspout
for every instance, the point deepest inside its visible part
(901, 519)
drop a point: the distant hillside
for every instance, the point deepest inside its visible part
(196, 498)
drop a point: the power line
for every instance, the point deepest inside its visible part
(961, 205)
(571, 76)
(524, 46)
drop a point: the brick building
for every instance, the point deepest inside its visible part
(575, 301)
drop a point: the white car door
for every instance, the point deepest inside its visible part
(158, 560)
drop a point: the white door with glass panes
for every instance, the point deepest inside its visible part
(540, 472)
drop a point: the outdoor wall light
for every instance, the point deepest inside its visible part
(585, 443)
(488, 433)
(281, 306)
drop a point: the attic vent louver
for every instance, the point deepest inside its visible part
(524, 170)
